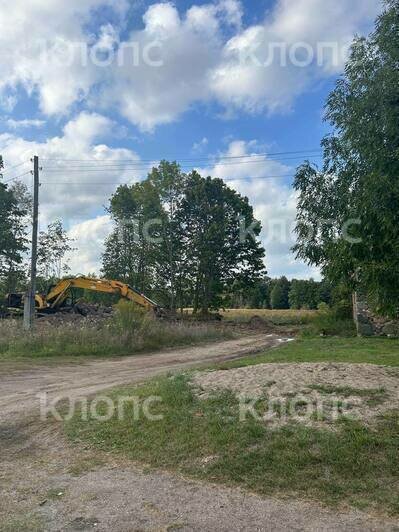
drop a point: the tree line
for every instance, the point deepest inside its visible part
(281, 293)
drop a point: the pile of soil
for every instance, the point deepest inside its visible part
(90, 312)
(314, 394)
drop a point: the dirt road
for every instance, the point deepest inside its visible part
(19, 389)
(47, 484)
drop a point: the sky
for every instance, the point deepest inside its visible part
(101, 90)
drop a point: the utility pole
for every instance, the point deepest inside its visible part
(29, 306)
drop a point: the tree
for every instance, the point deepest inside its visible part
(169, 181)
(130, 250)
(182, 239)
(13, 241)
(304, 294)
(217, 249)
(348, 212)
(53, 246)
(279, 294)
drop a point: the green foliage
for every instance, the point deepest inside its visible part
(53, 246)
(13, 240)
(348, 212)
(179, 239)
(279, 297)
(326, 323)
(306, 294)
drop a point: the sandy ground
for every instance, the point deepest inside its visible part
(49, 484)
(359, 391)
(19, 388)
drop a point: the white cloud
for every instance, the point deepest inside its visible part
(74, 190)
(186, 49)
(200, 64)
(88, 240)
(34, 40)
(274, 203)
(201, 50)
(23, 124)
(243, 81)
(198, 147)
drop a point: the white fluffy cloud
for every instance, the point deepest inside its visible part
(34, 40)
(88, 240)
(74, 190)
(266, 66)
(273, 199)
(202, 52)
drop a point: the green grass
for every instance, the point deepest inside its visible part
(128, 332)
(355, 465)
(374, 396)
(383, 351)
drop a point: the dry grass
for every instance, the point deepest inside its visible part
(128, 331)
(277, 317)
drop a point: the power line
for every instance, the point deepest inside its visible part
(117, 166)
(17, 177)
(130, 183)
(9, 168)
(150, 161)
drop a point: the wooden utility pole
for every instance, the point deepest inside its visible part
(29, 307)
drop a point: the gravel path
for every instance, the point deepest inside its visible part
(47, 484)
(19, 389)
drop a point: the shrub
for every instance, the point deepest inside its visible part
(328, 322)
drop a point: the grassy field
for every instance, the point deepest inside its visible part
(277, 317)
(127, 332)
(383, 351)
(354, 464)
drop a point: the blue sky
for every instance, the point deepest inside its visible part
(235, 82)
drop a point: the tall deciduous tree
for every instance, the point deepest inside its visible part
(218, 249)
(183, 238)
(130, 249)
(53, 247)
(169, 182)
(13, 241)
(348, 212)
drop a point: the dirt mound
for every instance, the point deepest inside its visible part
(91, 313)
(314, 394)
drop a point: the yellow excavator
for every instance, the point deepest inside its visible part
(60, 296)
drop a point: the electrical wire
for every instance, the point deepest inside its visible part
(17, 177)
(9, 168)
(117, 166)
(225, 157)
(130, 183)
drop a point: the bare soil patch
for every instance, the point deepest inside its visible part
(48, 484)
(19, 388)
(314, 394)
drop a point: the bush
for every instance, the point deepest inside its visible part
(328, 322)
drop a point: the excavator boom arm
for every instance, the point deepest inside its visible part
(59, 293)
